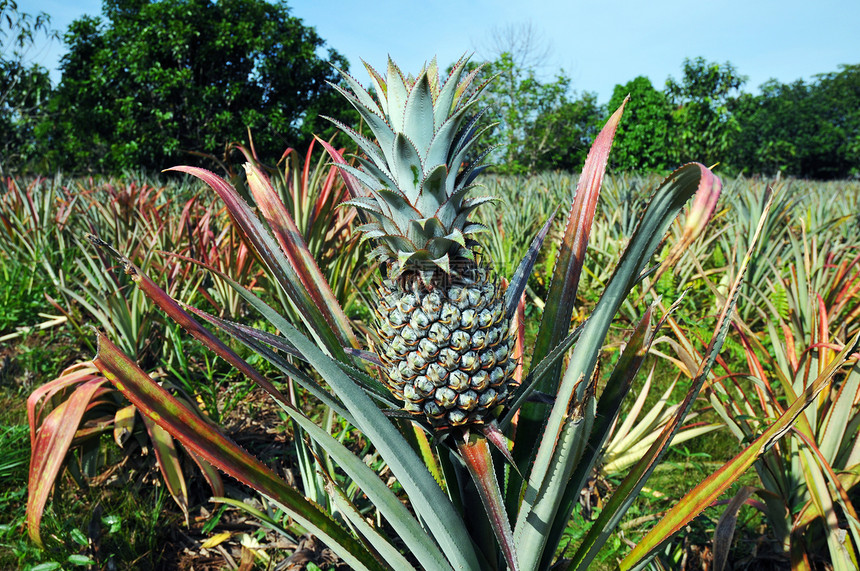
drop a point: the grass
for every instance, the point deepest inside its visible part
(679, 473)
(21, 298)
(107, 528)
(125, 518)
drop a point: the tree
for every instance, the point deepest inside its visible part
(561, 136)
(645, 136)
(519, 98)
(702, 98)
(809, 130)
(837, 141)
(156, 79)
(24, 86)
(767, 141)
(517, 94)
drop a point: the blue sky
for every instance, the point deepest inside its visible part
(597, 44)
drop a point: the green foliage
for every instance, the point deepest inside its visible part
(95, 528)
(21, 296)
(23, 91)
(519, 98)
(154, 80)
(151, 81)
(542, 125)
(647, 132)
(23, 86)
(561, 135)
(705, 125)
(121, 528)
(799, 129)
(802, 129)
(14, 455)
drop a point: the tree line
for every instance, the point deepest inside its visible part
(153, 83)
(803, 129)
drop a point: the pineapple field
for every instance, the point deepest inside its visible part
(462, 316)
(557, 371)
(398, 347)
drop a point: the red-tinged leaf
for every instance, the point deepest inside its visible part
(51, 440)
(498, 439)
(212, 445)
(326, 189)
(92, 426)
(210, 473)
(270, 254)
(479, 461)
(842, 496)
(262, 343)
(790, 349)
(823, 331)
(520, 343)
(561, 298)
(366, 356)
(251, 337)
(40, 398)
(250, 154)
(642, 470)
(698, 216)
(306, 169)
(352, 185)
(708, 491)
(293, 245)
(168, 463)
(191, 325)
(234, 329)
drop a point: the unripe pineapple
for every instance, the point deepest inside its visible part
(445, 337)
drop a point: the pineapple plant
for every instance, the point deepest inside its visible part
(444, 333)
(442, 322)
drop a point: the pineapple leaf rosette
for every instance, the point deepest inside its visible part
(446, 347)
(443, 329)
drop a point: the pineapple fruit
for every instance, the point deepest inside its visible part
(444, 335)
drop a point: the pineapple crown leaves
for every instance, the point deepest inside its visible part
(417, 124)
(417, 171)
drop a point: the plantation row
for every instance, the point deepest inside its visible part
(799, 306)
